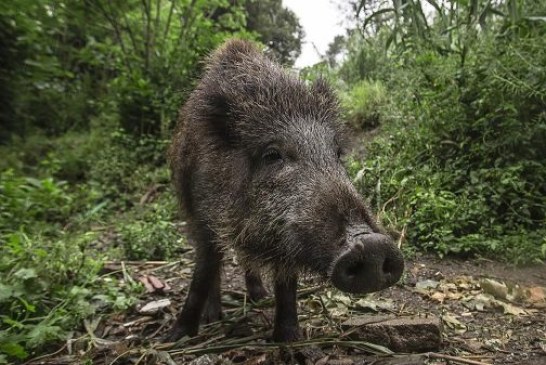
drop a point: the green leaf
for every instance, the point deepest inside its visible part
(34, 182)
(6, 292)
(25, 274)
(96, 208)
(29, 307)
(13, 349)
(12, 323)
(43, 333)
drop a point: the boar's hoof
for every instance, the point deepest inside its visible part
(213, 312)
(286, 334)
(177, 332)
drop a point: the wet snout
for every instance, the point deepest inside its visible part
(371, 263)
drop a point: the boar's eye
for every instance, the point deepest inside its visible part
(272, 155)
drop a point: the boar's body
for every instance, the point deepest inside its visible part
(256, 165)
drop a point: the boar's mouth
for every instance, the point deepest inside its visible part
(371, 264)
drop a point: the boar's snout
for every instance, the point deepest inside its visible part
(370, 264)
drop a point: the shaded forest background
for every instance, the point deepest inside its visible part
(453, 93)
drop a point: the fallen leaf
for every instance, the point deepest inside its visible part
(366, 304)
(439, 296)
(427, 284)
(346, 300)
(453, 296)
(158, 284)
(511, 309)
(452, 322)
(155, 306)
(495, 288)
(257, 360)
(536, 296)
(488, 301)
(374, 305)
(138, 321)
(153, 284)
(149, 287)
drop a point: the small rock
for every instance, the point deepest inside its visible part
(399, 334)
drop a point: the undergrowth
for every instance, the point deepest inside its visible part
(61, 202)
(459, 165)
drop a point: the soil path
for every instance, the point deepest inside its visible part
(491, 313)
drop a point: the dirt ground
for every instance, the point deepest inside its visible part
(489, 313)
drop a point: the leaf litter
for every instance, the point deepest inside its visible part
(486, 320)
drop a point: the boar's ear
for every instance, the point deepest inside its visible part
(234, 51)
(218, 114)
(326, 99)
(321, 89)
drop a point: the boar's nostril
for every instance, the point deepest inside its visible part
(389, 266)
(354, 270)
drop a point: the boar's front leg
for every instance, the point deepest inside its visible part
(205, 285)
(286, 327)
(213, 306)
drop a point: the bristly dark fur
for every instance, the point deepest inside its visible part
(242, 100)
(256, 165)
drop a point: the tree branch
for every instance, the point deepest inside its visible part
(117, 34)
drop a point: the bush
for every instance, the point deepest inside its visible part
(362, 104)
(30, 203)
(149, 232)
(138, 114)
(48, 280)
(464, 170)
(125, 164)
(47, 287)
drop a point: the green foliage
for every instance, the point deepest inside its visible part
(52, 230)
(150, 234)
(124, 165)
(47, 287)
(73, 58)
(90, 92)
(25, 200)
(335, 50)
(158, 47)
(49, 280)
(277, 27)
(366, 59)
(54, 81)
(362, 104)
(460, 163)
(11, 51)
